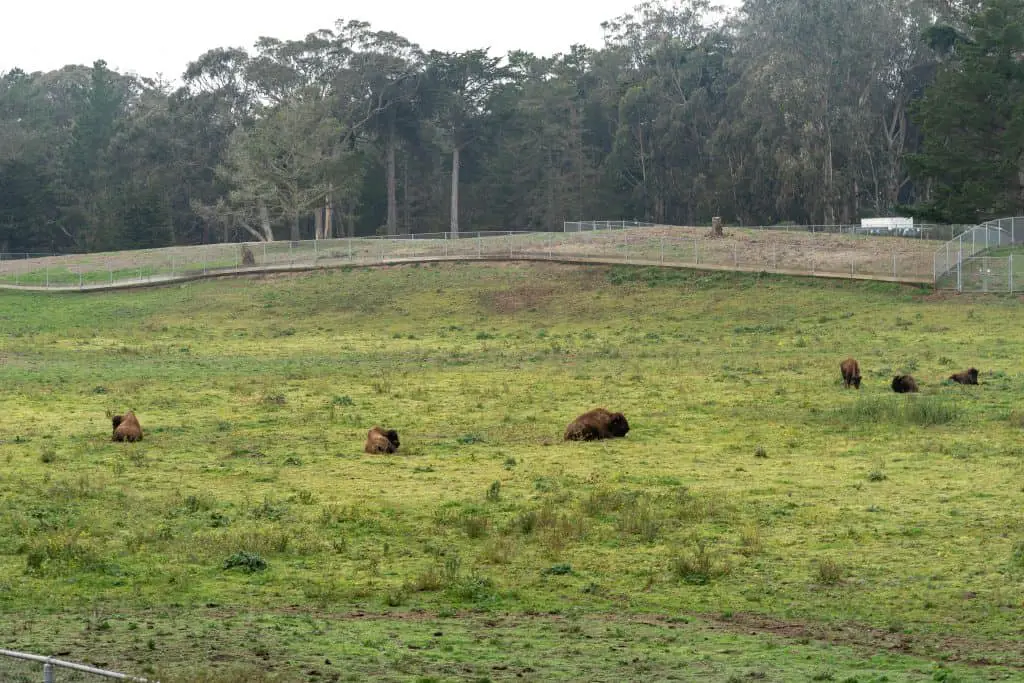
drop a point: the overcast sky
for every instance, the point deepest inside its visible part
(162, 37)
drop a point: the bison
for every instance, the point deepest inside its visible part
(851, 373)
(969, 376)
(247, 258)
(904, 384)
(597, 424)
(381, 441)
(126, 427)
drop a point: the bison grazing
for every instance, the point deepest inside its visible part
(126, 427)
(381, 441)
(904, 384)
(851, 373)
(966, 377)
(247, 258)
(597, 424)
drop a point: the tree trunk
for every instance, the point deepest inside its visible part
(268, 233)
(318, 223)
(295, 228)
(405, 194)
(392, 185)
(455, 193)
(329, 214)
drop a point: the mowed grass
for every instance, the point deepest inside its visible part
(759, 522)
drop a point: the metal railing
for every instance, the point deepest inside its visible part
(51, 665)
(967, 263)
(742, 249)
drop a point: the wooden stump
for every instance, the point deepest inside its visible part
(716, 227)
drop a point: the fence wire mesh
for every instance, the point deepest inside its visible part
(24, 667)
(809, 252)
(982, 258)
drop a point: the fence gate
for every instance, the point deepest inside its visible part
(23, 667)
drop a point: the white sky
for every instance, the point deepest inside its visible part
(153, 38)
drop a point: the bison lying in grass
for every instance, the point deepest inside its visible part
(851, 373)
(904, 384)
(381, 441)
(966, 377)
(597, 424)
(126, 427)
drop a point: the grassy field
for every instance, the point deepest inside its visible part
(795, 252)
(759, 522)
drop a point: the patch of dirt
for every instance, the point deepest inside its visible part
(930, 646)
(518, 298)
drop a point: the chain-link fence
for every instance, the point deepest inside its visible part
(981, 259)
(23, 667)
(861, 256)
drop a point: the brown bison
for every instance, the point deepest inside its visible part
(904, 384)
(126, 427)
(966, 377)
(597, 424)
(851, 373)
(381, 441)
(247, 258)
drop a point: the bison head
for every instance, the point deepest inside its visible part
(618, 425)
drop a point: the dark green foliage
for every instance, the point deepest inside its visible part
(798, 112)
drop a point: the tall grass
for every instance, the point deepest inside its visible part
(923, 411)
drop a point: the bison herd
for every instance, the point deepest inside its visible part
(901, 384)
(592, 425)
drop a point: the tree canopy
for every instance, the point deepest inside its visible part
(811, 111)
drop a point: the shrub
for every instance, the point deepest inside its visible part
(246, 561)
(830, 572)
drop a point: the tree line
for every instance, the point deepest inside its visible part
(809, 111)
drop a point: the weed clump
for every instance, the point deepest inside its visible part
(699, 565)
(246, 561)
(829, 572)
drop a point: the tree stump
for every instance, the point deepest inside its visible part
(716, 227)
(247, 258)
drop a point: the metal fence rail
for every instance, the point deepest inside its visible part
(29, 672)
(981, 259)
(901, 259)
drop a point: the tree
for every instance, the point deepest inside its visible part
(972, 119)
(459, 88)
(280, 169)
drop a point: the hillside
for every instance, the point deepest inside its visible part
(755, 511)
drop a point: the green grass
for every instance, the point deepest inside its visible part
(759, 522)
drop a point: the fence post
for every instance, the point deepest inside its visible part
(79, 278)
(960, 269)
(551, 245)
(735, 255)
(446, 245)
(663, 250)
(479, 246)
(696, 256)
(47, 672)
(47, 276)
(1009, 271)
(510, 255)
(894, 265)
